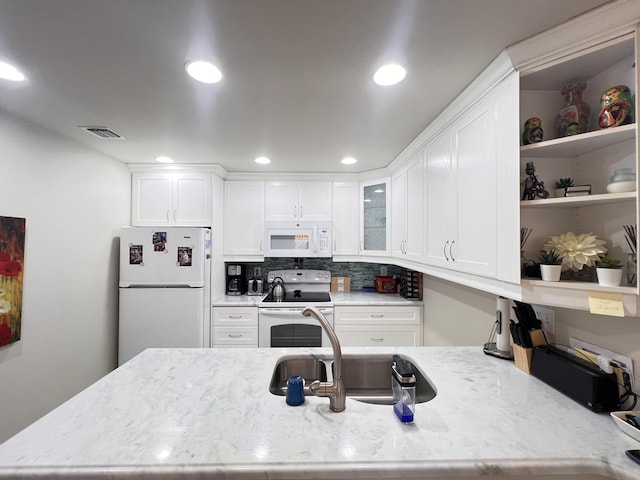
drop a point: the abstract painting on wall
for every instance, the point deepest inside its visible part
(12, 232)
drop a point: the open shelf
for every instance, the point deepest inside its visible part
(585, 286)
(583, 201)
(575, 295)
(576, 145)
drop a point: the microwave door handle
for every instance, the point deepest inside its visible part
(316, 245)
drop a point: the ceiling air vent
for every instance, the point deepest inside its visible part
(102, 132)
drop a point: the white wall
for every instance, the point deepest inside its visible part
(74, 201)
(458, 315)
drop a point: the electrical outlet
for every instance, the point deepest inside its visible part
(626, 364)
(383, 270)
(546, 317)
(257, 272)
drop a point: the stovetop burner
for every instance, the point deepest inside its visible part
(302, 288)
(298, 296)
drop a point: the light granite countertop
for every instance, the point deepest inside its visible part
(208, 413)
(360, 298)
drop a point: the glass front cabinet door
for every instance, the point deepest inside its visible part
(374, 225)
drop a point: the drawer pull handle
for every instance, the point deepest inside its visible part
(378, 315)
(235, 335)
(377, 340)
(235, 316)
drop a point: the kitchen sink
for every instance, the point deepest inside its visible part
(366, 378)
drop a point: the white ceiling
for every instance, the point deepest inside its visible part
(297, 81)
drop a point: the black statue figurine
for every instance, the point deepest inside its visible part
(532, 187)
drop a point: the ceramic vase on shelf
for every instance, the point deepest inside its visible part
(616, 106)
(532, 132)
(550, 273)
(573, 118)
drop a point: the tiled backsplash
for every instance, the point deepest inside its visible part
(361, 273)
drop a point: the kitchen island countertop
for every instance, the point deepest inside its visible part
(208, 413)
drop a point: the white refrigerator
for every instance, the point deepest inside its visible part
(164, 289)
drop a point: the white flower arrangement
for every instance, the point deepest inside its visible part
(577, 251)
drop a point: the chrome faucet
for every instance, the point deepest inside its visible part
(335, 391)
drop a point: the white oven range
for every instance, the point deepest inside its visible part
(281, 323)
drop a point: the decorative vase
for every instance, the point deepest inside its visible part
(532, 131)
(609, 277)
(616, 106)
(573, 118)
(550, 273)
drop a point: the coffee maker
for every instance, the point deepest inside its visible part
(236, 283)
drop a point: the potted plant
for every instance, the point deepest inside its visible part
(550, 265)
(579, 254)
(609, 271)
(562, 184)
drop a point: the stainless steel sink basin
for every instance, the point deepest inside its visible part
(366, 378)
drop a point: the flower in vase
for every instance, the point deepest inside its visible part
(577, 251)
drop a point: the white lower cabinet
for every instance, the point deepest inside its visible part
(376, 326)
(234, 327)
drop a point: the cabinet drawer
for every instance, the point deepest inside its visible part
(234, 336)
(396, 336)
(378, 315)
(228, 316)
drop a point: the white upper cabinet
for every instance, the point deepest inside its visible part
(471, 216)
(461, 194)
(243, 227)
(407, 210)
(345, 218)
(298, 201)
(375, 210)
(440, 191)
(178, 199)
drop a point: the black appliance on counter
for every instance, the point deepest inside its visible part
(236, 283)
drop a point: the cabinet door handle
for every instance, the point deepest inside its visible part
(451, 251)
(295, 211)
(361, 247)
(444, 250)
(377, 340)
(168, 218)
(174, 216)
(260, 245)
(301, 214)
(404, 247)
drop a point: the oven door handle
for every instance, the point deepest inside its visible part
(290, 311)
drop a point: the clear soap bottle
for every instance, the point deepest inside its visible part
(403, 383)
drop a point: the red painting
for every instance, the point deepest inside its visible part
(11, 278)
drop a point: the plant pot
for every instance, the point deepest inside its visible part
(609, 277)
(550, 273)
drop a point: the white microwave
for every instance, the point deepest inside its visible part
(297, 239)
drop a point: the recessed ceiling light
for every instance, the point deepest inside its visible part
(164, 159)
(204, 72)
(349, 160)
(9, 72)
(389, 74)
(262, 160)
